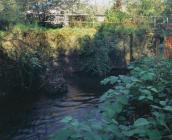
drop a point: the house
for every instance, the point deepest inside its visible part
(58, 16)
(100, 18)
(52, 16)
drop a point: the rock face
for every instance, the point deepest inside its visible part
(55, 84)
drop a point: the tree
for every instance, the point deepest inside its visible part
(145, 7)
(9, 10)
(14, 10)
(168, 7)
(118, 4)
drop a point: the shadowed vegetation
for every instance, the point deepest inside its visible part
(134, 40)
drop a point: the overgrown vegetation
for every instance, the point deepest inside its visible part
(30, 54)
(101, 49)
(138, 106)
(22, 63)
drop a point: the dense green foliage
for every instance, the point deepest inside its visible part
(22, 64)
(138, 106)
(121, 39)
(100, 49)
(31, 53)
(37, 11)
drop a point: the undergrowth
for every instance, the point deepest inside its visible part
(137, 107)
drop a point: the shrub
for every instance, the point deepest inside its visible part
(138, 106)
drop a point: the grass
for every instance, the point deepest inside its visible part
(35, 36)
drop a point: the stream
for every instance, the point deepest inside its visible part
(37, 117)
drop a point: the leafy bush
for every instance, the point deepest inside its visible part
(116, 16)
(138, 106)
(98, 50)
(35, 53)
(28, 59)
(95, 55)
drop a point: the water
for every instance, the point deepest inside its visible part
(37, 118)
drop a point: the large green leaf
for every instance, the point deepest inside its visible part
(63, 134)
(147, 76)
(154, 135)
(111, 80)
(168, 108)
(141, 122)
(67, 119)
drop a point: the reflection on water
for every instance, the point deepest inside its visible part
(36, 119)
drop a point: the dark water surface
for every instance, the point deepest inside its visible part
(35, 118)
